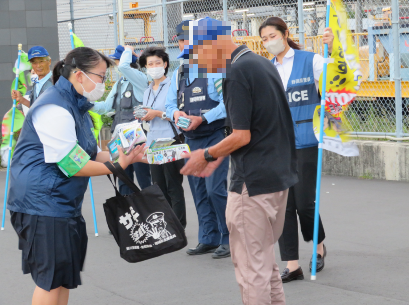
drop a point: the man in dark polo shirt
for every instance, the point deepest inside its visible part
(262, 149)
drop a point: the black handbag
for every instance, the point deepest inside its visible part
(143, 224)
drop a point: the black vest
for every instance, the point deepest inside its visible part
(124, 106)
(46, 85)
(193, 99)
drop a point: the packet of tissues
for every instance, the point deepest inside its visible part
(140, 111)
(183, 122)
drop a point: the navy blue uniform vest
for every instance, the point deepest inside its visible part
(124, 106)
(39, 188)
(193, 99)
(45, 86)
(303, 98)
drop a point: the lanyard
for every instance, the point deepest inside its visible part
(155, 97)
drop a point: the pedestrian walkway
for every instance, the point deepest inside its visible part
(367, 227)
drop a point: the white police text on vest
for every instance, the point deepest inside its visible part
(197, 99)
(297, 96)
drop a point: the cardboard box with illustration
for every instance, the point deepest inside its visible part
(161, 151)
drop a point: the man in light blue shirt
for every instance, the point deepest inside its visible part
(217, 113)
(138, 79)
(41, 62)
(201, 100)
(124, 96)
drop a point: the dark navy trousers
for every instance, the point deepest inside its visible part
(210, 195)
(143, 175)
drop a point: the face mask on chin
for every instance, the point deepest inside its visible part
(275, 46)
(156, 73)
(96, 93)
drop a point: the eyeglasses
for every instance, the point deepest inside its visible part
(103, 78)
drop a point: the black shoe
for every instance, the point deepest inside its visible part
(320, 261)
(201, 249)
(288, 276)
(222, 252)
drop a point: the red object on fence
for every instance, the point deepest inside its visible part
(240, 30)
(144, 37)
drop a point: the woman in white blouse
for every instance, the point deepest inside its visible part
(300, 72)
(53, 160)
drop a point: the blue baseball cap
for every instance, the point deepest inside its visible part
(207, 28)
(37, 51)
(118, 53)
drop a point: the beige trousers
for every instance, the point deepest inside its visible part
(255, 224)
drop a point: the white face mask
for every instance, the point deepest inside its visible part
(275, 46)
(156, 72)
(95, 94)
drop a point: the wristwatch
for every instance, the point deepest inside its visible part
(164, 117)
(208, 157)
(203, 119)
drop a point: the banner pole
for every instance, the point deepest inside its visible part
(11, 137)
(71, 36)
(89, 182)
(320, 151)
(93, 206)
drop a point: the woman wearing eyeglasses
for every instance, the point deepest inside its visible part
(53, 160)
(124, 96)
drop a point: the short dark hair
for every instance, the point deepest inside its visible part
(155, 51)
(82, 58)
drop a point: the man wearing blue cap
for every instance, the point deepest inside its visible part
(41, 62)
(126, 94)
(201, 101)
(262, 149)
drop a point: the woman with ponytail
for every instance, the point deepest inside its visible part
(300, 72)
(53, 160)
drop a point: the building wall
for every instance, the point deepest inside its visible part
(29, 22)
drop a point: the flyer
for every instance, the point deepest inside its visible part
(127, 136)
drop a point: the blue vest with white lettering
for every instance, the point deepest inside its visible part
(196, 101)
(39, 188)
(303, 98)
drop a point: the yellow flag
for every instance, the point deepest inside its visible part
(342, 83)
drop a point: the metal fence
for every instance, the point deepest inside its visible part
(380, 28)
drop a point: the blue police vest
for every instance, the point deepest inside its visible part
(40, 188)
(302, 98)
(193, 99)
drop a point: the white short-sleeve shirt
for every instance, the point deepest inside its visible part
(285, 69)
(55, 127)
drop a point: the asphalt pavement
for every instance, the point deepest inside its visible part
(367, 229)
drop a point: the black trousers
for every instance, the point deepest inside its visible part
(301, 201)
(170, 180)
